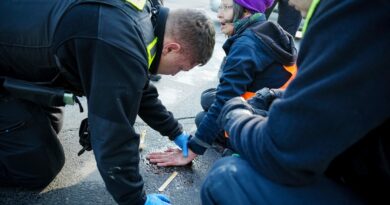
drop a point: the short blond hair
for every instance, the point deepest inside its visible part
(194, 31)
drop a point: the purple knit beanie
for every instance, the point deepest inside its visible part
(255, 5)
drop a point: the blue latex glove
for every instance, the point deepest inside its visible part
(157, 199)
(182, 142)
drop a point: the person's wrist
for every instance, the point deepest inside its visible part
(182, 141)
(196, 148)
(191, 155)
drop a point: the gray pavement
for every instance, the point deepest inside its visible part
(79, 181)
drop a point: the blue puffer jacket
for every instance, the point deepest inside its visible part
(255, 58)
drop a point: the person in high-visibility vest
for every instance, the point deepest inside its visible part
(259, 54)
(104, 50)
(326, 139)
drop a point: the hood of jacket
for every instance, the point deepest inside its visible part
(277, 42)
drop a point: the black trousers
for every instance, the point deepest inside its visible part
(30, 153)
(289, 18)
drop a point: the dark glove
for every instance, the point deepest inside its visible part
(263, 99)
(157, 199)
(232, 109)
(85, 139)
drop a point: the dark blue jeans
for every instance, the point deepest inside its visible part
(232, 180)
(206, 100)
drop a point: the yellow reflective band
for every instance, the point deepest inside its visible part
(149, 49)
(139, 4)
(312, 8)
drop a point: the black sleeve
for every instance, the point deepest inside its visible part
(110, 62)
(154, 113)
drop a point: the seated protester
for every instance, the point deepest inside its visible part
(259, 54)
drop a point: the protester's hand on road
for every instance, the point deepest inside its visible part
(157, 199)
(182, 142)
(171, 157)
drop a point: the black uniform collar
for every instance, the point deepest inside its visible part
(161, 16)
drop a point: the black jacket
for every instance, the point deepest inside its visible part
(99, 49)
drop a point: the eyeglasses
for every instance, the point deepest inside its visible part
(224, 7)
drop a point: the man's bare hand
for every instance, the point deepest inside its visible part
(170, 157)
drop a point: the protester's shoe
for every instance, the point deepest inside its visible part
(155, 78)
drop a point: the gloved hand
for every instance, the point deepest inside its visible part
(182, 142)
(233, 108)
(85, 137)
(157, 199)
(263, 100)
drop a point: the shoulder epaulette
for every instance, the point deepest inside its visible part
(138, 4)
